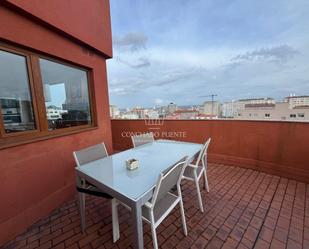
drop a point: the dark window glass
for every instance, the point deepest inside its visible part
(15, 97)
(66, 95)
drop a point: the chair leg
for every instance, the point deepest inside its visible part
(81, 197)
(153, 232)
(115, 220)
(199, 194)
(183, 218)
(206, 181)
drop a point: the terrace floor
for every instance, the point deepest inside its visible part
(244, 209)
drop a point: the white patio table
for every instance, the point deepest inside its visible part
(134, 188)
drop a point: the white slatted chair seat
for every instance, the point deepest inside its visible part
(168, 202)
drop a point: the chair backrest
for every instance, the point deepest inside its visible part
(89, 154)
(168, 180)
(142, 139)
(203, 152)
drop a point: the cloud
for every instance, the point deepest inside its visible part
(279, 54)
(132, 41)
(143, 62)
(159, 101)
(122, 91)
(192, 74)
(172, 76)
(178, 54)
(138, 63)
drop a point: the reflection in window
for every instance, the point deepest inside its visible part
(66, 95)
(15, 97)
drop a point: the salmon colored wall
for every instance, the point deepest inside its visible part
(87, 21)
(280, 148)
(37, 177)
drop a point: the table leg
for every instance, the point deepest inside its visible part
(137, 227)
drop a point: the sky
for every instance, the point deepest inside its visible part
(57, 95)
(182, 51)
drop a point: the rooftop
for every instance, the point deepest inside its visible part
(256, 99)
(301, 107)
(259, 105)
(185, 111)
(295, 97)
(244, 209)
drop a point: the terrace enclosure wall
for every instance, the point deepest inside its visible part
(275, 147)
(38, 175)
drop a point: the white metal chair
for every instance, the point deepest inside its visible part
(163, 201)
(83, 187)
(195, 171)
(139, 140)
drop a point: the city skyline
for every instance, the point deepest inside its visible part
(292, 108)
(170, 52)
(216, 99)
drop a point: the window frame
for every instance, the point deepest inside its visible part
(41, 131)
(31, 92)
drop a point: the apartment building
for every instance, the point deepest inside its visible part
(114, 111)
(229, 109)
(183, 114)
(297, 101)
(172, 107)
(212, 108)
(278, 111)
(241, 104)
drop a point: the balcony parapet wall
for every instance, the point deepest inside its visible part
(275, 147)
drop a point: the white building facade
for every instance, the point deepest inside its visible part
(279, 111)
(212, 108)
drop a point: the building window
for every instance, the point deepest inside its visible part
(66, 93)
(60, 104)
(267, 115)
(301, 115)
(15, 94)
(292, 115)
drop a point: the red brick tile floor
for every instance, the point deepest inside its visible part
(244, 209)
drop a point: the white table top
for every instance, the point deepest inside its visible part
(153, 158)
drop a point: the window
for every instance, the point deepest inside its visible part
(65, 93)
(301, 115)
(292, 115)
(267, 115)
(41, 98)
(15, 96)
